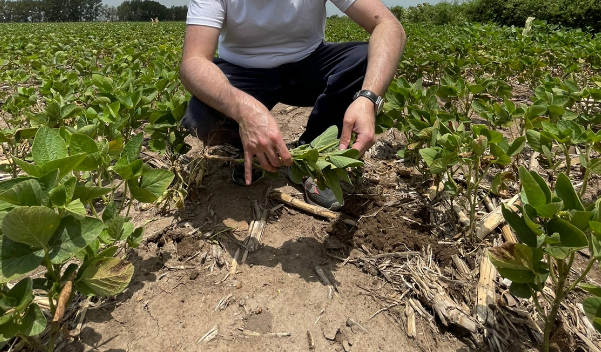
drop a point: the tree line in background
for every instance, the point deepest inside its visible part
(87, 11)
(584, 14)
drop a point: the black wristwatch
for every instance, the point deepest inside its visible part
(376, 99)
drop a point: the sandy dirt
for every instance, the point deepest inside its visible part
(178, 292)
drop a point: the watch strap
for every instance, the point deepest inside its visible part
(376, 99)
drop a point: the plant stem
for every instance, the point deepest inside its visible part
(124, 198)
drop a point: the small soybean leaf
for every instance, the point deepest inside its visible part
(581, 219)
(72, 236)
(110, 212)
(151, 186)
(105, 277)
(590, 288)
(64, 165)
(104, 84)
(536, 141)
(516, 146)
(86, 193)
(522, 230)
(136, 237)
(528, 214)
(128, 171)
(343, 162)
(77, 209)
(592, 310)
(296, 173)
(33, 226)
(26, 193)
(17, 260)
(550, 209)
(565, 191)
(531, 191)
(499, 154)
(115, 228)
(58, 195)
(560, 253)
(30, 169)
(520, 290)
(22, 292)
(132, 149)
(428, 155)
(326, 139)
(332, 181)
(80, 143)
(569, 234)
(48, 146)
(33, 322)
(543, 186)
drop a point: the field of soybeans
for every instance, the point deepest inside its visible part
(473, 223)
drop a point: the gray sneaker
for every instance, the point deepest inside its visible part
(323, 198)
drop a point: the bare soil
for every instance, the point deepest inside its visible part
(180, 289)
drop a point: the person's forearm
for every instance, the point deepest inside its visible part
(204, 80)
(386, 47)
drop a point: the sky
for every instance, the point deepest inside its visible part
(332, 10)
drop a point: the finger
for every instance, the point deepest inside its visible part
(362, 144)
(273, 158)
(265, 164)
(248, 166)
(284, 153)
(345, 137)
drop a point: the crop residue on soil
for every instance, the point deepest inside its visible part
(385, 229)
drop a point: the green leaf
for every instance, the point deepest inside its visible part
(560, 253)
(104, 84)
(26, 193)
(64, 165)
(105, 277)
(581, 219)
(520, 290)
(114, 108)
(34, 321)
(86, 193)
(136, 237)
(590, 288)
(77, 209)
(592, 309)
(48, 146)
(151, 186)
(80, 143)
(33, 226)
(543, 186)
(326, 139)
(72, 236)
(132, 149)
(333, 183)
(522, 231)
(565, 191)
(499, 154)
(17, 260)
(549, 210)
(30, 169)
(296, 173)
(536, 141)
(516, 146)
(531, 191)
(128, 171)
(58, 195)
(22, 293)
(343, 162)
(514, 262)
(570, 235)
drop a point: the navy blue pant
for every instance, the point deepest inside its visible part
(327, 80)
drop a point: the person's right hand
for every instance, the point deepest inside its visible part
(261, 136)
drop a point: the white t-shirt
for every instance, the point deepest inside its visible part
(264, 33)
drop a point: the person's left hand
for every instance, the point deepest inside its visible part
(359, 118)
